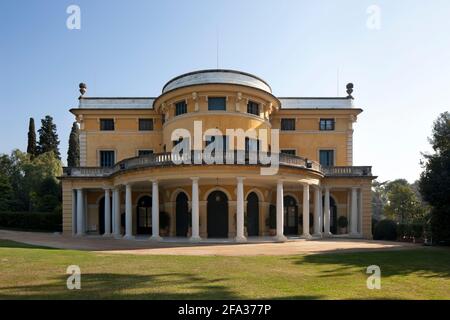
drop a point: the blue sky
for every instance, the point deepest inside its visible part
(131, 48)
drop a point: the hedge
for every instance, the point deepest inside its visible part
(36, 221)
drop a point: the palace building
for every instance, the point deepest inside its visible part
(130, 183)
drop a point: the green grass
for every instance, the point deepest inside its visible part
(28, 272)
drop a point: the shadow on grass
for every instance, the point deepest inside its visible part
(425, 262)
(21, 245)
(165, 286)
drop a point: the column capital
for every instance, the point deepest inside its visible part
(326, 188)
(154, 181)
(240, 179)
(195, 179)
(355, 188)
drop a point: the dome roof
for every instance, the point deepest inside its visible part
(216, 76)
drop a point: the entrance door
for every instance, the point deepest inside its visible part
(252, 215)
(144, 215)
(217, 213)
(290, 216)
(333, 216)
(182, 217)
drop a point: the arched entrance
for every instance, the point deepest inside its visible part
(252, 215)
(333, 214)
(217, 215)
(290, 216)
(101, 216)
(144, 215)
(182, 216)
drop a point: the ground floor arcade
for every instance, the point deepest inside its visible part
(201, 207)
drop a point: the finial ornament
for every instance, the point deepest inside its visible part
(350, 90)
(83, 89)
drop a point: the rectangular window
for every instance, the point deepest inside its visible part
(289, 152)
(326, 124)
(107, 159)
(180, 108)
(107, 124)
(217, 104)
(211, 139)
(288, 124)
(145, 124)
(326, 158)
(251, 145)
(253, 108)
(142, 153)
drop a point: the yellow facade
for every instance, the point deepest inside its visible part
(126, 140)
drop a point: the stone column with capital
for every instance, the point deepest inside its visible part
(317, 213)
(280, 212)
(326, 212)
(195, 237)
(155, 211)
(128, 213)
(107, 213)
(354, 212)
(306, 233)
(74, 212)
(117, 218)
(80, 212)
(240, 236)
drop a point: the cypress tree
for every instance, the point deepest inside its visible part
(48, 138)
(73, 154)
(31, 148)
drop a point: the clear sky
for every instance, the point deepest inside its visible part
(401, 71)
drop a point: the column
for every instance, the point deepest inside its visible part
(155, 211)
(280, 212)
(107, 213)
(117, 218)
(195, 236)
(306, 233)
(326, 212)
(354, 212)
(80, 213)
(317, 211)
(128, 213)
(240, 236)
(74, 212)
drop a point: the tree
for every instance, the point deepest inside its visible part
(48, 138)
(434, 183)
(402, 203)
(73, 154)
(31, 148)
(6, 193)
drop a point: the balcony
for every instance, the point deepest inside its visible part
(169, 159)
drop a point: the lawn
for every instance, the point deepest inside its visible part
(28, 272)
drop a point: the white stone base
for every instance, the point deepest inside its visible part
(195, 239)
(155, 238)
(107, 235)
(280, 238)
(240, 239)
(128, 237)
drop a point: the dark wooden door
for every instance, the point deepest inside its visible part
(252, 215)
(217, 214)
(182, 217)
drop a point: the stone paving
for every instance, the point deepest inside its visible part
(210, 247)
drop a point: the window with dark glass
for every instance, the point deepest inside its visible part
(107, 124)
(144, 152)
(288, 124)
(251, 145)
(107, 159)
(180, 108)
(211, 139)
(215, 103)
(253, 108)
(145, 124)
(288, 151)
(326, 124)
(326, 158)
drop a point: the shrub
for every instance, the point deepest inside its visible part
(385, 230)
(164, 220)
(342, 222)
(272, 217)
(36, 221)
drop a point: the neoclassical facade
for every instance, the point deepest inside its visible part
(131, 184)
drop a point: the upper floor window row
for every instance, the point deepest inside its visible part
(253, 108)
(217, 103)
(180, 108)
(287, 124)
(109, 124)
(327, 124)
